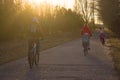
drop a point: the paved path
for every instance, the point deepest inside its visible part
(64, 62)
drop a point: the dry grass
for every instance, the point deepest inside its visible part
(115, 46)
(17, 49)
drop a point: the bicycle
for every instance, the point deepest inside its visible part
(102, 41)
(85, 46)
(33, 55)
(85, 43)
(102, 38)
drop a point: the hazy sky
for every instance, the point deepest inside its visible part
(64, 3)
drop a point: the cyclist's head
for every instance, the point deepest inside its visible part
(35, 19)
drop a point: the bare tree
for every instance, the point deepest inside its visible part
(87, 9)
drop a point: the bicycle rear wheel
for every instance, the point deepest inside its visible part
(85, 51)
(85, 45)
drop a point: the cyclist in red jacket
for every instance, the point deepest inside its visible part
(86, 34)
(86, 29)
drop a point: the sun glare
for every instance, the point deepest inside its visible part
(63, 3)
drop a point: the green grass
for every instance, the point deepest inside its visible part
(13, 50)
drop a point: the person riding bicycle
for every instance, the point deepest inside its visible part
(34, 32)
(86, 34)
(102, 35)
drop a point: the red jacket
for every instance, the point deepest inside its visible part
(86, 30)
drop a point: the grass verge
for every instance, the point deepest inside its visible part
(115, 52)
(13, 50)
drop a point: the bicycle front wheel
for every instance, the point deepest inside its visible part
(31, 60)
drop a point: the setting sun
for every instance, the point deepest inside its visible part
(63, 3)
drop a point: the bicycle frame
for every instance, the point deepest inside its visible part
(85, 46)
(33, 56)
(85, 43)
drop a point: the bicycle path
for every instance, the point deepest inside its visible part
(64, 62)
